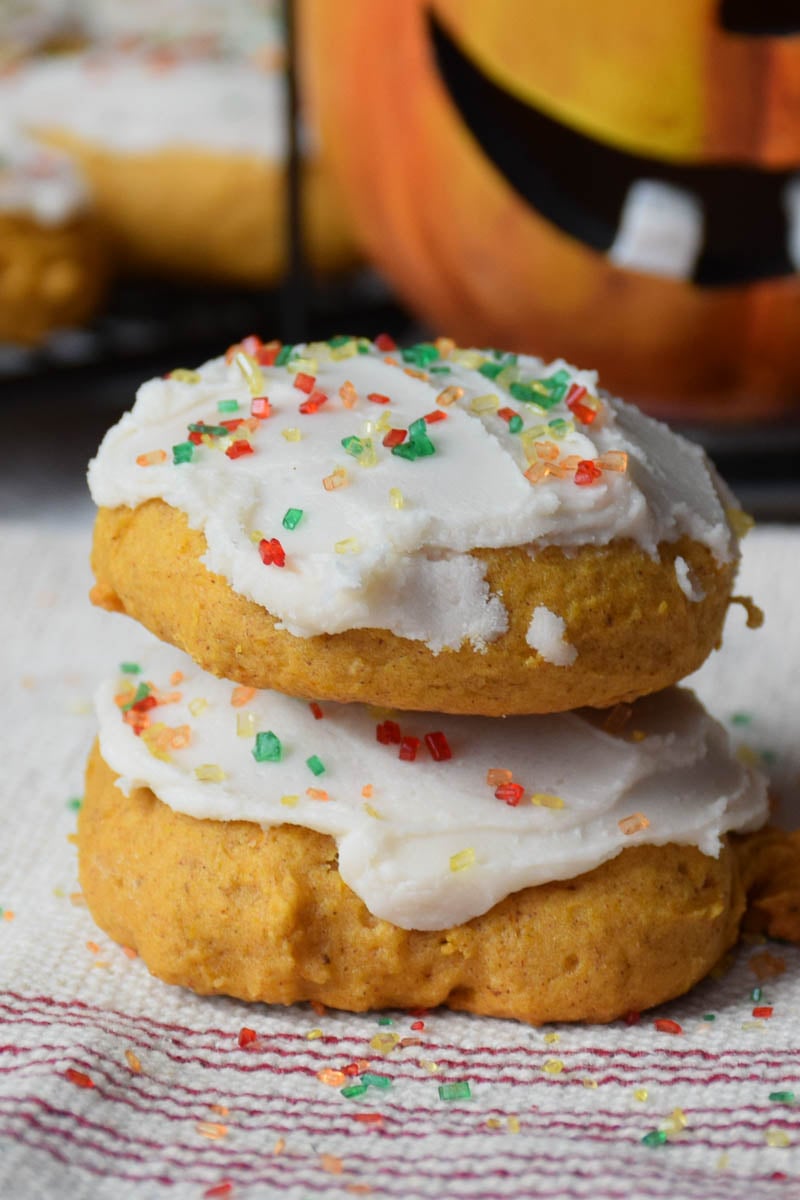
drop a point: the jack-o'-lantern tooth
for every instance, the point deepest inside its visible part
(660, 230)
(791, 201)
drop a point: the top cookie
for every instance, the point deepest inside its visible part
(435, 528)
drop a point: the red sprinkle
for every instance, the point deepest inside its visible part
(388, 733)
(385, 342)
(575, 394)
(394, 437)
(233, 424)
(438, 414)
(352, 1069)
(195, 437)
(417, 1025)
(305, 383)
(586, 472)
(377, 398)
(583, 412)
(507, 413)
(764, 1011)
(144, 704)
(267, 354)
(663, 1025)
(247, 1036)
(272, 552)
(369, 1118)
(260, 407)
(78, 1078)
(510, 793)
(316, 710)
(314, 402)
(238, 449)
(219, 1189)
(408, 748)
(439, 746)
(633, 1017)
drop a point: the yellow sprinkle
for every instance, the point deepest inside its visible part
(384, 421)
(314, 1034)
(209, 773)
(588, 1082)
(487, 403)
(184, 375)
(493, 1123)
(291, 434)
(553, 1066)
(747, 755)
(198, 706)
(348, 546)
(346, 350)
(252, 372)
(372, 812)
(396, 498)
(638, 735)
(552, 1038)
(306, 366)
(676, 1121)
(368, 427)
(289, 801)
(318, 350)
(211, 1130)
(753, 1025)
(428, 1065)
(545, 800)
(338, 478)
(246, 724)
(722, 1162)
(467, 358)
(449, 395)
(133, 1062)
(663, 608)
(368, 456)
(777, 1138)
(151, 458)
(462, 860)
(641, 1094)
(635, 823)
(740, 522)
(513, 1124)
(384, 1042)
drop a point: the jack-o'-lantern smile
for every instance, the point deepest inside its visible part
(718, 224)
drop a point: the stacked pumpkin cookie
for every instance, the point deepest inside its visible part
(514, 568)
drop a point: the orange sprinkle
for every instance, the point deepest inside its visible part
(367, 791)
(8, 914)
(331, 1077)
(391, 361)
(241, 696)
(369, 1118)
(152, 458)
(222, 1109)
(317, 794)
(449, 395)
(176, 677)
(337, 479)
(331, 1164)
(537, 472)
(318, 1007)
(613, 460)
(348, 394)
(633, 824)
(211, 1130)
(445, 346)
(93, 946)
(133, 1061)
(548, 451)
(79, 1078)
(78, 899)
(359, 1189)
(497, 775)
(129, 952)
(279, 1146)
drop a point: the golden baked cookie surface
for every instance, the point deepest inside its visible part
(632, 626)
(264, 915)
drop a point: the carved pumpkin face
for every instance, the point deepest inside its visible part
(615, 183)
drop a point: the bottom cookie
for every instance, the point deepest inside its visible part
(263, 915)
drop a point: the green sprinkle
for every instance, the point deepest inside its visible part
(709, 1016)
(378, 1081)
(352, 1090)
(419, 445)
(490, 369)
(75, 802)
(283, 355)
(756, 995)
(515, 424)
(267, 748)
(130, 668)
(211, 430)
(183, 452)
(141, 693)
(560, 427)
(292, 518)
(656, 1137)
(455, 1091)
(770, 757)
(353, 445)
(421, 355)
(775, 1097)
(363, 345)
(340, 339)
(439, 369)
(740, 718)
(228, 406)
(385, 1021)
(315, 765)
(529, 395)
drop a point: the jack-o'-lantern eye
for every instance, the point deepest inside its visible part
(760, 18)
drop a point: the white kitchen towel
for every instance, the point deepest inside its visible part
(115, 1086)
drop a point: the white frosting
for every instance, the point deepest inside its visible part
(139, 102)
(686, 583)
(234, 25)
(38, 182)
(411, 571)
(396, 846)
(546, 636)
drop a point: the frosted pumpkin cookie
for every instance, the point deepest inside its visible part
(53, 260)
(185, 158)
(562, 867)
(434, 528)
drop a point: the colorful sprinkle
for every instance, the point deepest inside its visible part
(338, 478)
(546, 800)
(635, 823)
(315, 765)
(665, 1025)
(182, 453)
(292, 518)
(510, 793)
(388, 733)
(462, 860)
(439, 746)
(152, 458)
(272, 552)
(79, 1078)
(455, 1091)
(408, 748)
(268, 747)
(209, 773)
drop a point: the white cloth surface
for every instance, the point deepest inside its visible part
(554, 1112)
